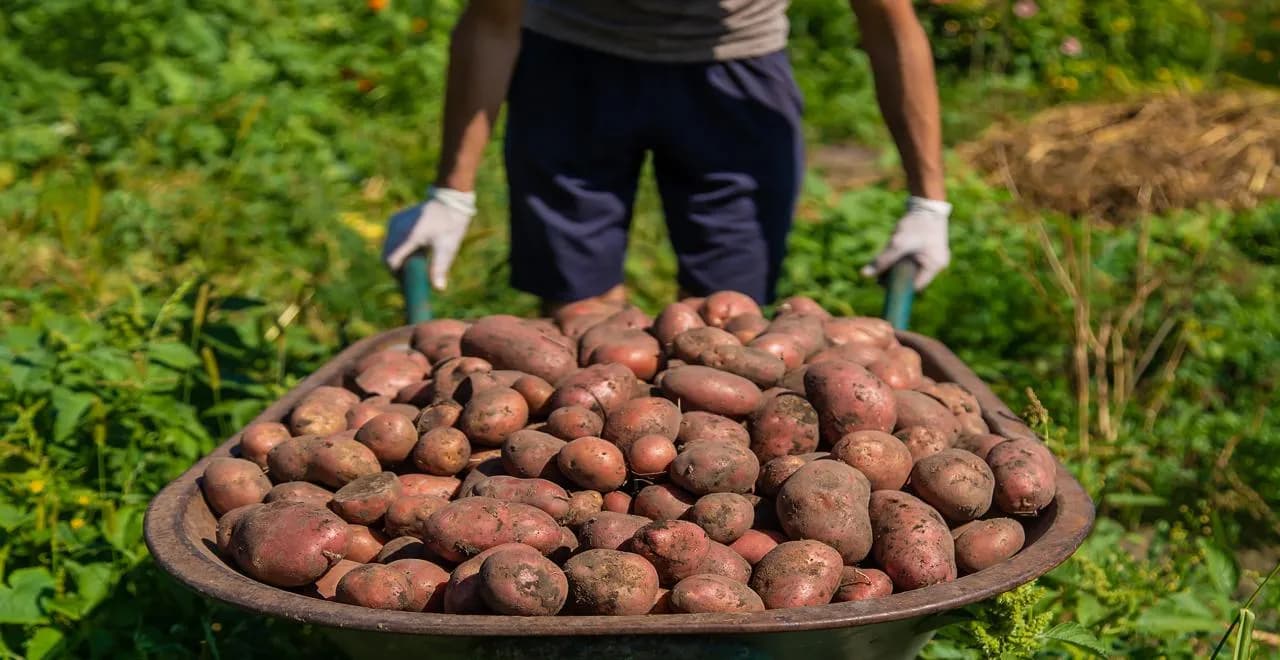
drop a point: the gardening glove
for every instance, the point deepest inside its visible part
(438, 223)
(921, 234)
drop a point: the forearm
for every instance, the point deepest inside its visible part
(902, 63)
(482, 55)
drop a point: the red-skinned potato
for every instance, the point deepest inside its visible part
(529, 454)
(616, 501)
(479, 469)
(390, 436)
(756, 543)
(636, 349)
(222, 535)
(675, 319)
(462, 594)
(721, 306)
(600, 388)
(415, 394)
(287, 544)
(440, 414)
(805, 329)
(609, 582)
(882, 458)
(848, 398)
(508, 342)
(449, 375)
(536, 392)
(442, 452)
(1025, 473)
(784, 424)
(387, 376)
(775, 472)
(493, 414)
(862, 584)
(676, 548)
(303, 492)
(439, 339)
(713, 467)
(401, 547)
(746, 327)
(407, 515)
(425, 484)
(521, 583)
(650, 455)
(322, 412)
(640, 417)
(955, 482)
(464, 528)
(692, 344)
(229, 483)
(573, 422)
(593, 463)
(393, 355)
(797, 574)
(782, 346)
(377, 586)
(756, 365)
(802, 305)
(912, 543)
(957, 399)
(723, 561)
(364, 501)
(864, 330)
(980, 444)
(972, 424)
(899, 368)
(859, 354)
(364, 544)
(709, 594)
(662, 502)
(335, 462)
(917, 409)
(698, 425)
(426, 581)
(827, 501)
(922, 441)
(327, 586)
(538, 493)
(724, 516)
(257, 440)
(582, 505)
(711, 390)
(610, 531)
(982, 544)
(474, 384)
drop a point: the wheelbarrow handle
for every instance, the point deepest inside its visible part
(900, 290)
(416, 288)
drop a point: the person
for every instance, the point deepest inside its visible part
(705, 88)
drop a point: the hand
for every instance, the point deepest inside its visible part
(438, 223)
(921, 234)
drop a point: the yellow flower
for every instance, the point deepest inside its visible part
(1121, 25)
(36, 486)
(77, 522)
(215, 627)
(1070, 84)
(1264, 56)
(83, 500)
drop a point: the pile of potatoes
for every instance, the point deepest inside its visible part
(607, 463)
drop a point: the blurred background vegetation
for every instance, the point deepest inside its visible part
(193, 193)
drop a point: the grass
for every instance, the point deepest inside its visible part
(198, 201)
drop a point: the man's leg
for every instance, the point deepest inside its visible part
(729, 161)
(573, 159)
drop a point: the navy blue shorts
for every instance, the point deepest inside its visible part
(727, 152)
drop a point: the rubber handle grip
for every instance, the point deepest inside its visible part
(900, 291)
(416, 287)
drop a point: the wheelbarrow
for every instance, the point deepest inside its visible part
(180, 529)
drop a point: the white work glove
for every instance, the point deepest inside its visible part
(438, 223)
(921, 234)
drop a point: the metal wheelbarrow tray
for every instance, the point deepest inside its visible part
(180, 531)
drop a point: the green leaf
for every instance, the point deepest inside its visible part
(11, 516)
(93, 581)
(20, 601)
(43, 643)
(1076, 635)
(1244, 637)
(68, 408)
(174, 354)
(1221, 569)
(1135, 499)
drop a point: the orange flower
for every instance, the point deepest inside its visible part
(417, 25)
(365, 85)
(377, 5)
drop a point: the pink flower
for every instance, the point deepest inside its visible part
(1025, 8)
(1071, 47)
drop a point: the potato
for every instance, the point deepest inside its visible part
(522, 584)
(650, 455)
(401, 547)
(912, 543)
(756, 365)
(300, 491)
(784, 424)
(488, 467)
(364, 543)
(222, 534)
(529, 454)
(723, 516)
(538, 493)
(712, 467)
(441, 414)
(710, 390)
(640, 417)
(610, 531)
(698, 425)
(573, 422)
(616, 501)
(775, 472)
(376, 585)
(802, 305)
(600, 388)
(582, 505)
(327, 586)
(756, 543)
(955, 482)
(900, 368)
(424, 484)
(662, 602)
(589, 308)
(474, 384)
(797, 574)
(323, 411)
(465, 527)
(724, 561)
(662, 502)
(449, 375)
(782, 346)
(859, 354)
(691, 345)
(862, 584)
(462, 594)
(493, 414)
(972, 424)
(426, 582)
(416, 394)
(257, 440)
(336, 462)
(610, 582)
(364, 501)
(862, 330)
(233, 482)
(979, 444)
(957, 399)
(746, 327)
(359, 414)
(393, 355)
(982, 544)
(676, 548)
(721, 306)
(637, 350)
(1025, 474)
(916, 409)
(387, 377)
(883, 459)
(848, 398)
(443, 452)
(922, 441)
(287, 544)
(675, 319)
(711, 594)
(536, 392)
(407, 515)
(508, 342)
(827, 501)
(390, 436)
(439, 339)
(593, 463)
(806, 330)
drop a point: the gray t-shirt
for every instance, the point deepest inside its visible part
(665, 30)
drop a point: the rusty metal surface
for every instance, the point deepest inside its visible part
(179, 531)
